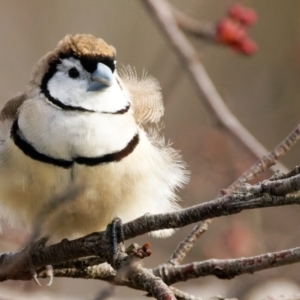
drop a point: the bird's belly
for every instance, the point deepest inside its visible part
(30, 189)
(27, 187)
(138, 184)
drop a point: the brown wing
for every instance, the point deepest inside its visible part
(147, 103)
(11, 108)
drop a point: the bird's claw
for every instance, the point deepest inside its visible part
(49, 273)
(33, 273)
(34, 277)
(49, 270)
(116, 234)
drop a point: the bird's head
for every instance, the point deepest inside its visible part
(79, 74)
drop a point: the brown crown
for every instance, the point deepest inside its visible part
(85, 45)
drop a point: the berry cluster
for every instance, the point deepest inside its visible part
(231, 30)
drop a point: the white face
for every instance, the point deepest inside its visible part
(73, 91)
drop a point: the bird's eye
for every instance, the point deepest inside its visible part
(73, 73)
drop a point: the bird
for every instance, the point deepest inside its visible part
(81, 122)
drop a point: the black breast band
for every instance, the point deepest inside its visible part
(30, 151)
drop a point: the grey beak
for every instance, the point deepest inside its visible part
(101, 78)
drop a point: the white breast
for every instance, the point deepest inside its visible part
(66, 134)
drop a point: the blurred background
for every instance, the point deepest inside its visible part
(263, 91)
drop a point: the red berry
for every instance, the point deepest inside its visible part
(248, 47)
(246, 16)
(229, 31)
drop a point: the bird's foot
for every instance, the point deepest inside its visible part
(116, 237)
(29, 250)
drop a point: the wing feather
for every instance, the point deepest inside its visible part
(146, 96)
(11, 108)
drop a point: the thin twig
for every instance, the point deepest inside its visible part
(279, 175)
(273, 187)
(193, 26)
(162, 14)
(227, 268)
(142, 277)
(226, 205)
(265, 162)
(180, 295)
(185, 246)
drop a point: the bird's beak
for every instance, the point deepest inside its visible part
(101, 78)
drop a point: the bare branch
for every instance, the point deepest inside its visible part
(227, 268)
(80, 263)
(186, 245)
(180, 295)
(162, 14)
(226, 205)
(102, 272)
(266, 194)
(154, 285)
(129, 267)
(223, 269)
(279, 175)
(193, 26)
(273, 187)
(267, 161)
(98, 244)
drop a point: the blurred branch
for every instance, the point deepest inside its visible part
(180, 295)
(193, 26)
(162, 14)
(230, 31)
(294, 297)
